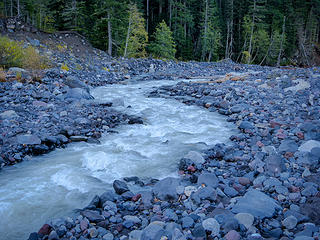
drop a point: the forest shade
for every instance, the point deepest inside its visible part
(267, 32)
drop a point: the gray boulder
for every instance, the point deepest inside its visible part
(208, 179)
(309, 145)
(74, 82)
(28, 139)
(154, 231)
(78, 93)
(257, 204)
(166, 189)
(8, 114)
(120, 187)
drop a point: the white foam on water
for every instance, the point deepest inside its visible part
(53, 185)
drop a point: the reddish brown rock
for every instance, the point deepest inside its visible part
(45, 230)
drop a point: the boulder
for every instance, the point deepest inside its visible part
(208, 179)
(120, 187)
(93, 216)
(309, 145)
(74, 82)
(78, 93)
(195, 157)
(8, 114)
(257, 204)
(28, 139)
(166, 189)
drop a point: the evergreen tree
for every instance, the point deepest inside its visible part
(137, 36)
(163, 45)
(211, 35)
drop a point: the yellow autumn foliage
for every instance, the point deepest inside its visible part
(13, 54)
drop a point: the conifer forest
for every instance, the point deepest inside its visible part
(265, 32)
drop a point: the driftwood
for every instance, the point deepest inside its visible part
(219, 79)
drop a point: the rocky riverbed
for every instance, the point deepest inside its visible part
(264, 186)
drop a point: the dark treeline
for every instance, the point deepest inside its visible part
(268, 32)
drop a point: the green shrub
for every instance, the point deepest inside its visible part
(12, 54)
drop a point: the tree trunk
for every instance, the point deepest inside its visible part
(160, 7)
(127, 38)
(231, 32)
(148, 15)
(185, 22)
(251, 35)
(18, 7)
(109, 35)
(11, 8)
(227, 43)
(205, 31)
(170, 14)
(282, 39)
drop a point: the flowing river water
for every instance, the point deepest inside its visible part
(51, 186)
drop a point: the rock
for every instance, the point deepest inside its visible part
(33, 236)
(108, 236)
(34, 42)
(300, 86)
(154, 231)
(309, 145)
(135, 120)
(110, 206)
(28, 139)
(312, 210)
(53, 236)
(211, 224)
(303, 238)
(146, 198)
(74, 82)
(8, 114)
(135, 235)
(84, 225)
(274, 164)
(166, 189)
(120, 187)
(187, 222)
(177, 235)
(245, 219)
(195, 157)
(230, 191)
(188, 190)
(245, 125)
(232, 235)
(93, 216)
(244, 181)
(288, 146)
(306, 173)
(79, 138)
(78, 93)
(290, 222)
(93, 232)
(208, 179)
(198, 231)
(15, 70)
(45, 230)
(257, 204)
(108, 196)
(134, 219)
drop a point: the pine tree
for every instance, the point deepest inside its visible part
(163, 45)
(137, 36)
(211, 35)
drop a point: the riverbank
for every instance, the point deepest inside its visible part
(264, 186)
